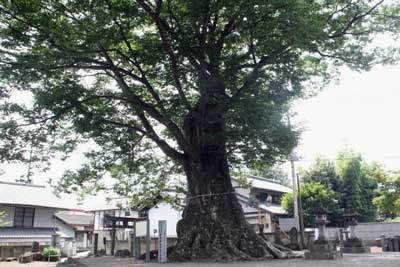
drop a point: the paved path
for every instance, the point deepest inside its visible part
(386, 259)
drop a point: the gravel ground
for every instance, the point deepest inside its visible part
(386, 259)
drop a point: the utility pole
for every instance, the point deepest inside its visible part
(294, 183)
(301, 215)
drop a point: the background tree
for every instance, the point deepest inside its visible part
(315, 196)
(353, 181)
(323, 171)
(388, 200)
(164, 87)
(357, 189)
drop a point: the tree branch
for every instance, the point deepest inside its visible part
(164, 146)
(356, 18)
(253, 75)
(167, 48)
(139, 104)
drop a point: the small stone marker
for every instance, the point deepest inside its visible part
(294, 238)
(277, 235)
(396, 246)
(26, 258)
(384, 243)
(35, 247)
(162, 241)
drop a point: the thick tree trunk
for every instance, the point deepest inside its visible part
(213, 226)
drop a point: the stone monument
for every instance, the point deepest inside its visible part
(322, 248)
(162, 241)
(353, 244)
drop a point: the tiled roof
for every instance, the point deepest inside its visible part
(268, 184)
(11, 232)
(76, 219)
(31, 195)
(262, 183)
(274, 209)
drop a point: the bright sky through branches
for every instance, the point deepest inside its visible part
(361, 112)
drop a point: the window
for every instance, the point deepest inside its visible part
(276, 199)
(262, 197)
(104, 221)
(143, 212)
(24, 217)
(79, 237)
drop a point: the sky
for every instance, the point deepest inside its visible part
(361, 113)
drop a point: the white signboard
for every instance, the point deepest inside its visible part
(162, 241)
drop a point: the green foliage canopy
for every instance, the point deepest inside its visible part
(315, 197)
(388, 199)
(357, 187)
(354, 182)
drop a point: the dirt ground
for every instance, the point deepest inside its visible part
(387, 259)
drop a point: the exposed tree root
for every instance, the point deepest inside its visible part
(221, 234)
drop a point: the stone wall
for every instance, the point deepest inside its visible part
(372, 231)
(369, 232)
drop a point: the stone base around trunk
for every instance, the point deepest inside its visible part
(323, 251)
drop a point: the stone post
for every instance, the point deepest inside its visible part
(353, 233)
(278, 238)
(341, 236)
(261, 229)
(95, 244)
(390, 244)
(396, 240)
(321, 222)
(384, 243)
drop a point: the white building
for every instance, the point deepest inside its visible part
(30, 217)
(120, 207)
(79, 225)
(261, 202)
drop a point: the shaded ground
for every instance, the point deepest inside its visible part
(387, 259)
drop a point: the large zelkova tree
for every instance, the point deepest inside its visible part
(205, 83)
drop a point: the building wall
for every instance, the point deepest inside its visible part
(65, 230)
(164, 212)
(44, 217)
(9, 216)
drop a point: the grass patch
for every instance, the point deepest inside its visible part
(397, 219)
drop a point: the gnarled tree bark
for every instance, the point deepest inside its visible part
(213, 224)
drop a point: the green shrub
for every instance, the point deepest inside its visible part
(51, 253)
